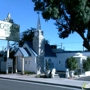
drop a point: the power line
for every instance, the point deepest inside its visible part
(72, 42)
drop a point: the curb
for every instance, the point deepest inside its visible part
(42, 82)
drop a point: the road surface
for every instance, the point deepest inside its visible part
(6, 84)
(84, 78)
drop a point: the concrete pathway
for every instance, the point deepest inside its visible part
(52, 81)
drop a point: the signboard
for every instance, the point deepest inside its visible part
(10, 62)
(9, 31)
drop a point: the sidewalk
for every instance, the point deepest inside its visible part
(52, 81)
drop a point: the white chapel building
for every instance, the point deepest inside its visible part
(33, 55)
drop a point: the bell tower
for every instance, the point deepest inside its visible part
(38, 45)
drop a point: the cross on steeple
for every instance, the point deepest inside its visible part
(38, 23)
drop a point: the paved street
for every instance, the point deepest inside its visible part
(84, 78)
(21, 85)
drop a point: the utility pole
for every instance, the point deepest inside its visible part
(83, 48)
(64, 48)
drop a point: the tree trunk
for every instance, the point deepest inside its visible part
(85, 41)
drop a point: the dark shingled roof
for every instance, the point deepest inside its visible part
(48, 51)
(31, 48)
(27, 51)
(29, 44)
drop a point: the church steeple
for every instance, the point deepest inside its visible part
(9, 16)
(38, 23)
(38, 46)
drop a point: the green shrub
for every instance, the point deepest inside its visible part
(47, 65)
(86, 64)
(72, 63)
(38, 76)
(41, 76)
(28, 72)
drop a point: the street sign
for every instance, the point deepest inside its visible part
(10, 62)
(9, 31)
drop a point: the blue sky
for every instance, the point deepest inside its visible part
(23, 14)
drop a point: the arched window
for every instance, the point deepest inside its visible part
(66, 62)
(49, 60)
(51, 64)
(59, 61)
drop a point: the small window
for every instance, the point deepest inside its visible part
(59, 62)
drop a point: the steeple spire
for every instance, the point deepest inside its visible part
(9, 16)
(38, 23)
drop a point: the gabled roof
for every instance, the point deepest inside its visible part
(27, 51)
(30, 47)
(48, 51)
(23, 52)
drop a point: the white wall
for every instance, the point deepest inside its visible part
(29, 62)
(18, 53)
(33, 63)
(86, 53)
(87, 73)
(61, 59)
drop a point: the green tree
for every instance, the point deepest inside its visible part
(47, 65)
(88, 59)
(24, 36)
(72, 63)
(70, 16)
(27, 36)
(86, 64)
